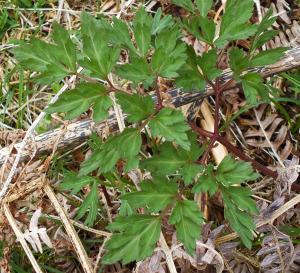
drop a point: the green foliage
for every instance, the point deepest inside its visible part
(237, 199)
(170, 124)
(154, 195)
(204, 6)
(134, 238)
(78, 100)
(187, 219)
(137, 107)
(234, 25)
(190, 78)
(170, 159)
(154, 51)
(231, 171)
(186, 4)
(91, 204)
(52, 61)
(124, 146)
(238, 205)
(95, 40)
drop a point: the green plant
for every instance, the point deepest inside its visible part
(178, 163)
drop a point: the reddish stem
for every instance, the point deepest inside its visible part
(234, 150)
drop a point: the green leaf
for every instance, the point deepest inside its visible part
(137, 71)
(142, 36)
(142, 31)
(186, 4)
(238, 61)
(234, 24)
(207, 63)
(267, 57)
(74, 183)
(253, 87)
(99, 58)
(169, 53)
(154, 195)
(166, 162)
(134, 238)
(52, 61)
(236, 199)
(79, 99)
(170, 159)
(260, 40)
(189, 172)
(267, 21)
(121, 34)
(161, 23)
(137, 107)
(67, 52)
(90, 204)
(204, 6)
(188, 220)
(122, 146)
(170, 124)
(201, 27)
(207, 182)
(231, 171)
(241, 196)
(190, 78)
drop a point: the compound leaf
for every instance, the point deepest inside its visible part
(90, 205)
(74, 183)
(231, 171)
(253, 87)
(237, 28)
(239, 218)
(79, 99)
(187, 220)
(136, 106)
(207, 182)
(99, 57)
(134, 238)
(186, 4)
(267, 57)
(154, 195)
(170, 124)
(137, 71)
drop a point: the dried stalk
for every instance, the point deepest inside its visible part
(82, 255)
(21, 238)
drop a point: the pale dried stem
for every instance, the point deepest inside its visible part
(81, 253)
(169, 258)
(81, 226)
(21, 238)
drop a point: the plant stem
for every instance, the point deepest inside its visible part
(158, 95)
(85, 77)
(234, 150)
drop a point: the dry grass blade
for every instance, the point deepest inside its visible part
(21, 238)
(82, 255)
